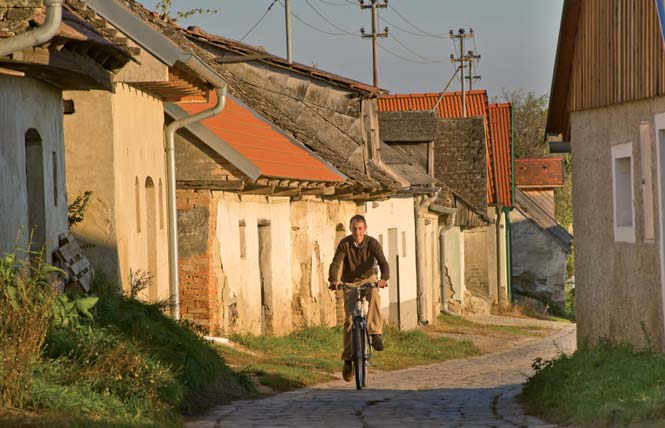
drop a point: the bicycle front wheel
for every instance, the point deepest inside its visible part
(359, 362)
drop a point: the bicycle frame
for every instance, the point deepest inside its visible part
(361, 347)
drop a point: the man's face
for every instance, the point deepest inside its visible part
(358, 230)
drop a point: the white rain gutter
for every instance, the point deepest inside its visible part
(38, 36)
(173, 213)
(421, 205)
(452, 213)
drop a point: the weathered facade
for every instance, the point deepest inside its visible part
(540, 244)
(471, 159)
(122, 135)
(615, 127)
(33, 204)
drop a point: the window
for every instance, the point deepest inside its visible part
(243, 239)
(161, 205)
(647, 181)
(622, 181)
(137, 194)
(55, 179)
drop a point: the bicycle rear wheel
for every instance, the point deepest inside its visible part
(359, 362)
(365, 357)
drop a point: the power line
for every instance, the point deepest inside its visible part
(414, 26)
(313, 27)
(259, 21)
(409, 31)
(328, 20)
(335, 4)
(396, 55)
(429, 60)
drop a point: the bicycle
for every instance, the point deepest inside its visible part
(362, 341)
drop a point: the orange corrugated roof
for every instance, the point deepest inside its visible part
(476, 105)
(274, 153)
(501, 126)
(539, 172)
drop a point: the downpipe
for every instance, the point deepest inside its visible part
(422, 204)
(170, 131)
(452, 212)
(40, 35)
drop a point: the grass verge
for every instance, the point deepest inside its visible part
(132, 366)
(312, 355)
(604, 386)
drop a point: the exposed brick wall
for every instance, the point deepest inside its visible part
(459, 160)
(15, 15)
(199, 293)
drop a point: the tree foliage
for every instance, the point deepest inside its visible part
(164, 9)
(529, 117)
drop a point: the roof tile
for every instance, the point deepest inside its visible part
(477, 104)
(275, 154)
(539, 172)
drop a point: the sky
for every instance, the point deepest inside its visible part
(516, 38)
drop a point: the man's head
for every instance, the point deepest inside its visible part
(358, 227)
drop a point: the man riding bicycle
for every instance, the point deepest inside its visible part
(356, 255)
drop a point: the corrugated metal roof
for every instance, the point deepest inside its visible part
(539, 172)
(274, 153)
(501, 128)
(476, 105)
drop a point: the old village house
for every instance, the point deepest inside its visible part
(472, 160)
(609, 108)
(32, 140)
(540, 245)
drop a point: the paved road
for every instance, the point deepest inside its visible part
(477, 392)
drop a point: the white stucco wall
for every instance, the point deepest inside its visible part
(397, 213)
(454, 254)
(243, 273)
(28, 103)
(138, 141)
(314, 234)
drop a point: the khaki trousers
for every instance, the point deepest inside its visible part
(374, 322)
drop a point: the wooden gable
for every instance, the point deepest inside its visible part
(610, 52)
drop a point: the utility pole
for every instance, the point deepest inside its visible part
(374, 5)
(287, 10)
(471, 77)
(463, 59)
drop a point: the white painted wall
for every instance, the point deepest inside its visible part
(138, 141)
(243, 272)
(397, 213)
(454, 254)
(28, 103)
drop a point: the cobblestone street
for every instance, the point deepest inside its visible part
(475, 392)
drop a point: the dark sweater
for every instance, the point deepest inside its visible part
(358, 262)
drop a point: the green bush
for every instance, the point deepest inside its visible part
(604, 386)
(197, 366)
(26, 301)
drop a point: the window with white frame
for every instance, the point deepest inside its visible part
(622, 184)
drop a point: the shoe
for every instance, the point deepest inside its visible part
(347, 371)
(377, 342)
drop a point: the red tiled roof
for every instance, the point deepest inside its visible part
(539, 172)
(476, 105)
(501, 128)
(275, 154)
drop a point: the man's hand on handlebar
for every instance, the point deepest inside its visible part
(334, 285)
(382, 283)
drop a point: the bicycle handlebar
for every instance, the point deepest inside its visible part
(366, 285)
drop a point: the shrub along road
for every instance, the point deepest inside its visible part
(473, 392)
